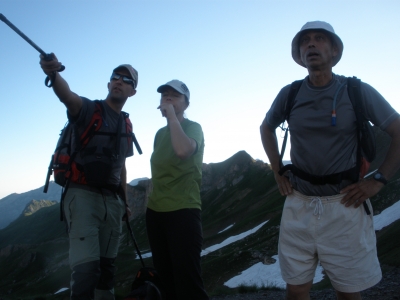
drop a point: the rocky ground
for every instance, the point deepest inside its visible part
(387, 289)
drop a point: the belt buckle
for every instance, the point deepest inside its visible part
(319, 180)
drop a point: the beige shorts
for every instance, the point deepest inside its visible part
(322, 229)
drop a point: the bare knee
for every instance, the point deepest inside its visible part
(348, 296)
(298, 292)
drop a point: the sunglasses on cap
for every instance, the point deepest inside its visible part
(126, 79)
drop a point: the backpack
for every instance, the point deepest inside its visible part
(147, 284)
(63, 164)
(366, 149)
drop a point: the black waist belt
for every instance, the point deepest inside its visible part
(336, 178)
(97, 189)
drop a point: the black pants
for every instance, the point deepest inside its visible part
(175, 240)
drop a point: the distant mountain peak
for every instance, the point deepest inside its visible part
(135, 182)
(240, 157)
(35, 205)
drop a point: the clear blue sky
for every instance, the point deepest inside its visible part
(233, 55)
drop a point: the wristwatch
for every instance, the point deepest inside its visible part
(379, 177)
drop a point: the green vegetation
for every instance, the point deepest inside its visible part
(239, 192)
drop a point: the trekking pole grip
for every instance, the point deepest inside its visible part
(49, 81)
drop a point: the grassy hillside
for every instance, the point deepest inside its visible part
(42, 226)
(239, 191)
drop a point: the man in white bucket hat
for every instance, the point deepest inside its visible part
(327, 213)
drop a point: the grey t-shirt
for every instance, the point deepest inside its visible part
(101, 147)
(317, 147)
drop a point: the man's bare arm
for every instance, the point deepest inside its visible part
(270, 144)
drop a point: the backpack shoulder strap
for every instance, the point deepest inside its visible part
(129, 133)
(353, 89)
(294, 90)
(94, 124)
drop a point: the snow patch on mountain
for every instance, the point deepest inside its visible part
(387, 216)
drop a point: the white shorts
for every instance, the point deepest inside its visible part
(341, 238)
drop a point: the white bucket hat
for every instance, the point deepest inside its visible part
(316, 25)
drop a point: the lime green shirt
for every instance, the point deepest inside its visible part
(176, 182)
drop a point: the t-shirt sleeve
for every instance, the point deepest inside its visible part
(87, 109)
(276, 114)
(194, 131)
(155, 139)
(376, 108)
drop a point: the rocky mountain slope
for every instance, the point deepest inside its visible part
(238, 194)
(12, 205)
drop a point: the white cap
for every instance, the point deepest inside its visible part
(177, 85)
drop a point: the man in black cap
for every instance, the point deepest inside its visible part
(93, 205)
(323, 217)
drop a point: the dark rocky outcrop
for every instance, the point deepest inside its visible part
(237, 194)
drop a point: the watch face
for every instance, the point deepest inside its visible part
(379, 177)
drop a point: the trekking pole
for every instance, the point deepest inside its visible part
(49, 172)
(136, 143)
(134, 241)
(50, 78)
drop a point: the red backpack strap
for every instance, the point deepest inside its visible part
(73, 173)
(94, 124)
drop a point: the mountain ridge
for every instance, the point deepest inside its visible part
(12, 205)
(238, 194)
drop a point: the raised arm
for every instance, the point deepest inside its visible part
(270, 144)
(183, 146)
(61, 88)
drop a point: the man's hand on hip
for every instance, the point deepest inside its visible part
(360, 191)
(285, 188)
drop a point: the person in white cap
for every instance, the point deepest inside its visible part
(94, 203)
(324, 218)
(173, 216)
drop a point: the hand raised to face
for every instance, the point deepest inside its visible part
(172, 104)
